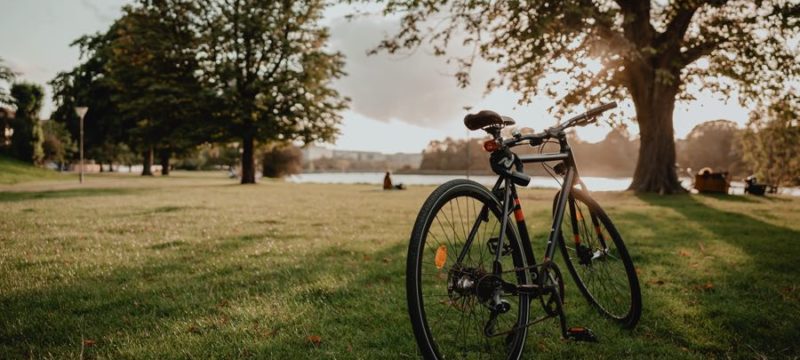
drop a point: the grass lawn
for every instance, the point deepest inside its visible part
(196, 266)
(13, 171)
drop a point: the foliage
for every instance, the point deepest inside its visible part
(89, 84)
(26, 141)
(649, 50)
(451, 154)
(269, 63)
(281, 160)
(6, 76)
(613, 156)
(58, 145)
(771, 142)
(210, 157)
(152, 66)
(713, 144)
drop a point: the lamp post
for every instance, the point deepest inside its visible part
(81, 112)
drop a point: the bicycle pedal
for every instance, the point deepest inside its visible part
(578, 333)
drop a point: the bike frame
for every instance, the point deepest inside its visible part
(510, 196)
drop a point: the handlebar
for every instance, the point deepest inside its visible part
(508, 164)
(581, 120)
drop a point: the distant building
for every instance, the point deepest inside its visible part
(316, 152)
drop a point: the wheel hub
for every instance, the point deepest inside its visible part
(473, 282)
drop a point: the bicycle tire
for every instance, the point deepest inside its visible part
(424, 282)
(594, 277)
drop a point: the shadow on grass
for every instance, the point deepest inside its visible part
(731, 198)
(752, 304)
(14, 196)
(212, 301)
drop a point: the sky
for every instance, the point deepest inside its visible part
(399, 103)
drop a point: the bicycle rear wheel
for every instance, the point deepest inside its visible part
(598, 260)
(451, 302)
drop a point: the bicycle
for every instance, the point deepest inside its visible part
(472, 277)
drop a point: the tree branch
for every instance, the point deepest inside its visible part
(677, 26)
(695, 52)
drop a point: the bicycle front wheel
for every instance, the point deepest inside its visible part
(456, 308)
(599, 261)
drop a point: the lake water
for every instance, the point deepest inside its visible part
(594, 183)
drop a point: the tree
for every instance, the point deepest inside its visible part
(58, 145)
(649, 50)
(152, 66)
(89, 84)
(280, 160)
(6, 79)
(713, 144)
(267, 61)
(26, 141)
(771, 142)
(6, 76)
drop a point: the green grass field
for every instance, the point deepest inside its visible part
(196, 266)
(13, 171)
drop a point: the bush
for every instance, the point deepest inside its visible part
(281, 160)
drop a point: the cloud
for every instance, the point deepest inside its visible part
(418, 89)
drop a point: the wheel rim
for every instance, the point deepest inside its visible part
(453, 302)
(597, 262)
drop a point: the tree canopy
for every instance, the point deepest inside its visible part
(152, 67)
(268, 63)
(771, 142)
(26, 141)
(6, 76)
(649, 51)
(713, 144)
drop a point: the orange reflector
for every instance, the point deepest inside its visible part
(491, 145)
(441, 257)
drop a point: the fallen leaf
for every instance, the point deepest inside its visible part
(684, 253)
(702, 248)
(88, 342)
(656, 282)
(708, 286)
(315, 340)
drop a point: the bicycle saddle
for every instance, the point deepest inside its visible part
(486, 118)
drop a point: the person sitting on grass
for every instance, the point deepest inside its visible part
(387, 183)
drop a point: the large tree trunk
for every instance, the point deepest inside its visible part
(655, 168)
(248, 161)
(164, 156)
(147, 162)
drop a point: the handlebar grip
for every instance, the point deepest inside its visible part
(601, 109)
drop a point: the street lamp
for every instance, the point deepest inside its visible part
(81, 112)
